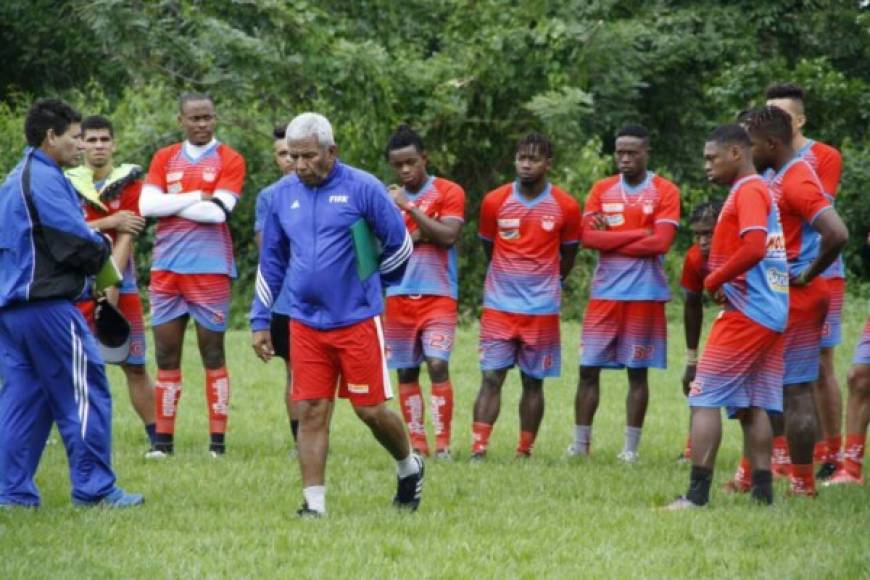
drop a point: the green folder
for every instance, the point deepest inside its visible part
(109, 275)
(366, 249)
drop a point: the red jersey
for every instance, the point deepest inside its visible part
(694, 271)
(526, 235)
(185, 246)
(800, 198)
(656, 200)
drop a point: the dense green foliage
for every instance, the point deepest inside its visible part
(472, 76)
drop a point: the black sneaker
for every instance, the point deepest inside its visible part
(410, 489)
(477, 457)
(826, 471)
(306, 512)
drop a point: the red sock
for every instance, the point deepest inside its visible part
(527, 440)
(780, 459)
(803, 482)
(687, 450)
(853, 454)
(442, 413)
(743, 475)
(167, 391)
(411, 400)
(480, 433)
(834, 447)
(217, 392)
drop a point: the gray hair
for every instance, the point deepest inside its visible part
(307, 125)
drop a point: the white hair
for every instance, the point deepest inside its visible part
(307, 125)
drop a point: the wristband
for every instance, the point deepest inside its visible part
(221, 205)
(691, 356)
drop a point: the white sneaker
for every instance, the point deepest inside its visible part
(575, 450)
(156, 454)
(628, 456)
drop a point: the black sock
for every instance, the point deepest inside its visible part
(762, 486)
(151, 430)
(294, 429)
(699, 485)
(163, 442)
(217, 443)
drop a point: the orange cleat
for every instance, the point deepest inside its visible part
(843, 477)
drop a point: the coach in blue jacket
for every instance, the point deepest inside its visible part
(337, 340)
(51, 366)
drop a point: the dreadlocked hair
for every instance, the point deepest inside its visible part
(707, 212)
(771, 122)
(536, 142)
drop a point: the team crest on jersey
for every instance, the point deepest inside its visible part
(649, 206)
(115, 204)
(548, 222)
(209, 174)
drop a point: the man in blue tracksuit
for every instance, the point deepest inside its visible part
(51, 365)
(337, 338)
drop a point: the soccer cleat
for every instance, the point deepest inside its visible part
(523, 455)
(443, 455)
(826, 471)
(628, 456)
(733, 486)
(843, 477)
(306, 512)
(683, 460)
(155, 453)
(409, 490)
(478, 457)
(680, 504)
(118, 498)
(216, 450)
(575, 450)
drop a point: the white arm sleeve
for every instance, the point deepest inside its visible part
(204, 212)
(228, 198)
(154, 203)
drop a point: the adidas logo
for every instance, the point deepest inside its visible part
(295, 204)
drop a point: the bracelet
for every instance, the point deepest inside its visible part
(692, 356)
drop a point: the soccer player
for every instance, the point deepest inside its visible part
(814, 235)
(741, 368)
(857, 415)
(192, 188)
(421, 311)
(631, 220)
(327, 217)
(530, 230)
(51, 366)
(110, 196)
(827, 163)
(280, 325)
(695, 269)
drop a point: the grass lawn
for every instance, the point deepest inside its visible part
(545, 517)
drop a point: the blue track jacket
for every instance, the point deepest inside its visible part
(46, 248)
(313, 225)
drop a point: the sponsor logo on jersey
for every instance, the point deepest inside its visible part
(174, 176)
(337, 199)
(509, 229)
(615, 219)
(778, 280)
(357, 389)
(612, 207)
(776, 245)
(548, 223)
(509, 223)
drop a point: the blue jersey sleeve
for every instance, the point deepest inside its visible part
(386, 222)
(68, 238)
(274, 262)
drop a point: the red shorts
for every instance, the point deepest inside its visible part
(530, 341)
(355, 353)
(832, 332)
(419, 326)
(205, 297)
(624, 333)
(807, 310)
(130, 306)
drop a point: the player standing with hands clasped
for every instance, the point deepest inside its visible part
(327, 218)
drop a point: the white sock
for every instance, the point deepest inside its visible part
(407, 466)
(632, 439)
(583, 438)
(315, 497)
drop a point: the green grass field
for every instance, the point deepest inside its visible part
(546, 517)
